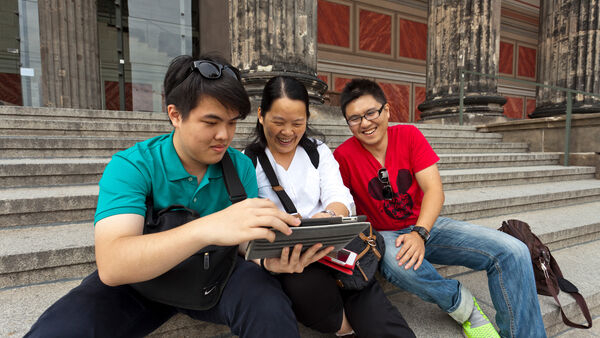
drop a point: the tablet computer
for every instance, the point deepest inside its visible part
(329, 231)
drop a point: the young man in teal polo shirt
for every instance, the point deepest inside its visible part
(204, 100)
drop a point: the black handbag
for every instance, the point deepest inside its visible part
(368, 245)
(370, 248)
(197, 282)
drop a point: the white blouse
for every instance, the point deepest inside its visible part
(310, 189)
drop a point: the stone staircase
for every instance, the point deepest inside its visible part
(52, 159)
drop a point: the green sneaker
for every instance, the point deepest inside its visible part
(478, 325)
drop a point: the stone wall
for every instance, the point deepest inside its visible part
(548, 134)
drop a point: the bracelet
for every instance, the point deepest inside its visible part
(330, 212)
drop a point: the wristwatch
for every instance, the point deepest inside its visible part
(422, 232)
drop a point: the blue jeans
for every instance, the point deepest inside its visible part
(505, 258)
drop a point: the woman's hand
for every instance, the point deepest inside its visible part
(296, 261)
(321, 215)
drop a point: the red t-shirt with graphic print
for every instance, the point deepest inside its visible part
(408, 152)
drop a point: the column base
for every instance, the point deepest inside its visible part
(479, 109)
(561, 109)
(254, 82)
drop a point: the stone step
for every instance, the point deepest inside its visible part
(557, 227)
(78, 114)
(580, 264)
(27, 206)
(477, 147)
(57, 146)
(67, 171)
(489, 177)
(14, 146)
(145, 129)
(494, 201)
(493, 160)
(34, 113)
(35, 172)
(37, 254)
(84, 127)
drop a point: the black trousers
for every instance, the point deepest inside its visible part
(252, 305)
(318, 303)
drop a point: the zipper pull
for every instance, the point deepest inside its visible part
(362, 272)
(206, 261)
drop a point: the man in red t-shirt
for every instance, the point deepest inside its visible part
(393, 177)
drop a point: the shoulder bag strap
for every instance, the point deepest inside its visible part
(578, 298)
(288, 205)
(234, 186)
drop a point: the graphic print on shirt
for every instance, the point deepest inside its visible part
(399, 207)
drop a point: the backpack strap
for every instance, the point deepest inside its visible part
(234, 186)
(288, 205)
(578, 298)
(311, 149)
(309, 146)
(250, 153)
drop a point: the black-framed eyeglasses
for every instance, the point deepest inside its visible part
(370, 115)
(384, 178)
(212, 70)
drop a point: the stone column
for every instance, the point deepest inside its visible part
(69, 51)
(467, 29)
(568, 55)
(275, 37)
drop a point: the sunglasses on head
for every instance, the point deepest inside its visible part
(384, 178)
(212, 70)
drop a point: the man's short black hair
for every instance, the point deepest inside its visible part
(185, 87)
(359, 87)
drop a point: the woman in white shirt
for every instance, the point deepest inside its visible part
(282, 133)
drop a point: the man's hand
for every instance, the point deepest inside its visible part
(250, 219)
(412, 251)
(296, 261)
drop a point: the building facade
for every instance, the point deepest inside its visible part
(106, 54)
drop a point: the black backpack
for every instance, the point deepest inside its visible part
(197, 282)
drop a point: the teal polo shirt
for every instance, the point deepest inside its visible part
(153, 166)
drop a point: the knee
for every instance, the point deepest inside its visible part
(268, 296)
(395, 273)
(515, 249)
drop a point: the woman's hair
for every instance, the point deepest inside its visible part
(185, 87)
(276, 88)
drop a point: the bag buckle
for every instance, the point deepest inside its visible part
(371, 242)
(544, 268)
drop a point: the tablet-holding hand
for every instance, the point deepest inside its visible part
(296, 261)
(249, 219)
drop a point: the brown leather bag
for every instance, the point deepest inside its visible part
(549, 279)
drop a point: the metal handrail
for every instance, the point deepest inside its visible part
(569, 92)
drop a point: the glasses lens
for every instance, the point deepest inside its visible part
(388, 193)
(208, 70)
(372, 114)
(354, 120)
(230, 72)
